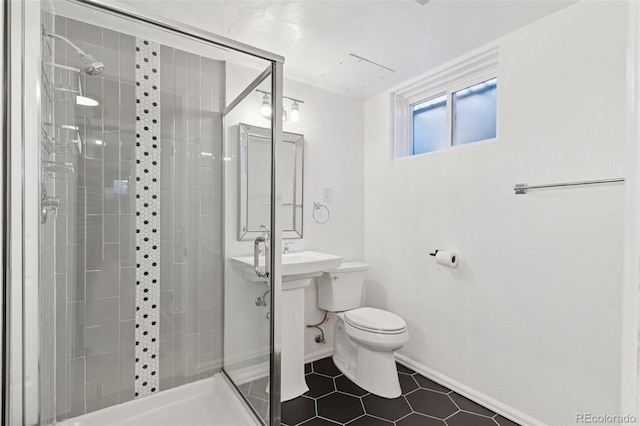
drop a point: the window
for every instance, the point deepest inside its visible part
(430, 125)
(473, 111)
(454, 106)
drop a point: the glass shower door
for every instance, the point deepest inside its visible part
(249, 301)
(127, 204)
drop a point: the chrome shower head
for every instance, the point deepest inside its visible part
(94, 67)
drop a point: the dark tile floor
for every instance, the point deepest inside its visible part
(333, 399)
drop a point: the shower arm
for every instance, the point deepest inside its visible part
(80, 52)
(94, 67)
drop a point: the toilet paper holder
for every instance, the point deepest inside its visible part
(447, 258)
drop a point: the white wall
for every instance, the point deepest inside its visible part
(333, 129)
(532, 315)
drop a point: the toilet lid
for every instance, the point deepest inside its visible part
(374, 319)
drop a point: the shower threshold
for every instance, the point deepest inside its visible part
(205, 402)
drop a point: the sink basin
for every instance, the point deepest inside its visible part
(295, 266)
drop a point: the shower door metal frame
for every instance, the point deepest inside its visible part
(276, 242)
(21, 223)
(180, 29)
(4, 216)
(20, 108)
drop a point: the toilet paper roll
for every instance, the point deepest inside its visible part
(447, 258)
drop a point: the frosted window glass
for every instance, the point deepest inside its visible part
(474, 113)
(430, 125)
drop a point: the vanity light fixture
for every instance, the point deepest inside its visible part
(295, 112)
(266, 107)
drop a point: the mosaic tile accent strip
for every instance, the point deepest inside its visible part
(147, 191)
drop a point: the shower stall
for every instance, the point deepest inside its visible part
(119, 157)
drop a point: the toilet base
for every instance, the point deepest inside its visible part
(377, 373)
(373, 371)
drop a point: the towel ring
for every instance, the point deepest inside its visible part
(317, 206)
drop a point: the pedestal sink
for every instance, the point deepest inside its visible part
(298, 269)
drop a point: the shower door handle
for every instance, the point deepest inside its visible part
(256, 256)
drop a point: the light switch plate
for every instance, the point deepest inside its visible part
(327, 194)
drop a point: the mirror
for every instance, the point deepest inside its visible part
(255, 167)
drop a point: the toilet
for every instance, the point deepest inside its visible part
(365, 339)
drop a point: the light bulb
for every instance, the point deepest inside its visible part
(284, 114)
(266, 106)
(295, 112)
(84, 101)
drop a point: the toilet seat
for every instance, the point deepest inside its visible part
(374, 320)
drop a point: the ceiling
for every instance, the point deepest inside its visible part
(317, 36)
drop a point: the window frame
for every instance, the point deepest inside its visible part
(471, 69)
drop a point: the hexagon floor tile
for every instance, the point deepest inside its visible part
(367, 420)
(319, 385)
(431, 403)
(388, 409)
(298, 410)
(333, 400)
(415, 419)
(339, 407)
(326, 366)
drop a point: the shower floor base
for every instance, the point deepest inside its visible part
(205, 402)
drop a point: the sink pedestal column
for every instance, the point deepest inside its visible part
(293, 327)
(298, 269)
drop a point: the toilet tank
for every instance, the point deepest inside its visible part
(340, 289)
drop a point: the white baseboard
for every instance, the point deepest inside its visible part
(248, 374)
(319, 354)
(256, 371)
(482, 399)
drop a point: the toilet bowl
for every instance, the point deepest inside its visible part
(365, 338)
